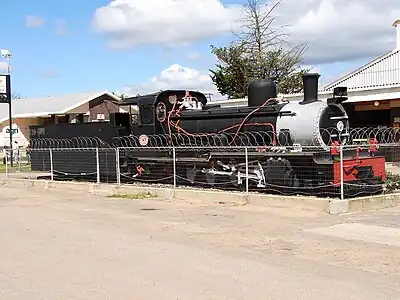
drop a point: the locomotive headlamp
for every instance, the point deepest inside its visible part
(339, 95)
(340, 91)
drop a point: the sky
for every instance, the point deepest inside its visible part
(139, 46)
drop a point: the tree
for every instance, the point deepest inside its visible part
(15, 96)
(231, 76)
(259, 52)
(120, 95)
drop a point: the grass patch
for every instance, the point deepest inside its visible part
(24, 167)
(143, 195)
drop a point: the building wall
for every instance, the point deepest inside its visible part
(103, 105)
(395, 117)
(374, 113)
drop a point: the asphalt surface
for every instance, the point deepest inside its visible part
(65, 245)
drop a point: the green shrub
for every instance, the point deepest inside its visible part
(392, 182)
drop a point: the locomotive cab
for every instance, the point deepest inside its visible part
(152, 109)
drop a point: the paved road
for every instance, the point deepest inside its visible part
(64, 246)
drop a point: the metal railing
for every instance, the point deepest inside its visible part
(273, 170)
(233, 161)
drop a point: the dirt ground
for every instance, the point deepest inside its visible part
(65, 245)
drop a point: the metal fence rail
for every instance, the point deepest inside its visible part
(246, 161)
(212, 167)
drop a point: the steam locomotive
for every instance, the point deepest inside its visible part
(271, 145)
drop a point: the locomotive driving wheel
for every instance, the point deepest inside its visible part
(233, 178)
(191, 174)
(210, 178)
(291, 178)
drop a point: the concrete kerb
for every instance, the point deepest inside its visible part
(184, 194)
(331, 206)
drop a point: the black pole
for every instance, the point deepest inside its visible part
(8, 87)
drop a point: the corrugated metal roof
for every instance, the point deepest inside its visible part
(381, 72)
(36, 107)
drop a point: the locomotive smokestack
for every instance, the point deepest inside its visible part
(396, 25)
(310, 87)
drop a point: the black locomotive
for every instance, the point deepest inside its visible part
(270, 145)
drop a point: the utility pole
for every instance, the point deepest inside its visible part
(5, 91)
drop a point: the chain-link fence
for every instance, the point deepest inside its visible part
(350, 171)
(368, 163)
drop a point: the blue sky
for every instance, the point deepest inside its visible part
(79, 58)
(47, 63)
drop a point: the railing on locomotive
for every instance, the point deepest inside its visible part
(384, 136)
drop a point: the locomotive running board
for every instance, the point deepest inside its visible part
(167, 159)
(344, 134)
(258, 154)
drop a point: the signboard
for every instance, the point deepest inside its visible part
(17, 135)
(15, 131)
(5, 93)
(3, 84)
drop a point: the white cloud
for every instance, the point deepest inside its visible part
(177, 77)
(169, 22)
(336, 30)
(34, 21)
(61, 27)
(340, 30)
(3, 67)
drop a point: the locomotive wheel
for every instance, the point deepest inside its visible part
(233, 179)
(291, 179)
(210, 178)
(191, 174)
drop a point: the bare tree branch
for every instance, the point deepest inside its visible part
(15, 95)
(260, 51)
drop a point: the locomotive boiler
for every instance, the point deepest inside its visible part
(309, 123)
(270, 145)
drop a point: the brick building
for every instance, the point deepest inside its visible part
(73, 108)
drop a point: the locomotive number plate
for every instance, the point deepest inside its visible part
(143, 140)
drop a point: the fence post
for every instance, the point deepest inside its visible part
(51, 164)
(174, 165)
(247, 168)
(117, 166)
(6, 161)
(341, 174)
(19, 159)
(98, 165)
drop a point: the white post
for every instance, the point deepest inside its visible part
(19, 158)
(51, 164)
(98, 165)
(6, 161)
(174, 164)
(341, 174)
(117, 166)
(247, 169)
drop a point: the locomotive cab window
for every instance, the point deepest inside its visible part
(134, 111)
